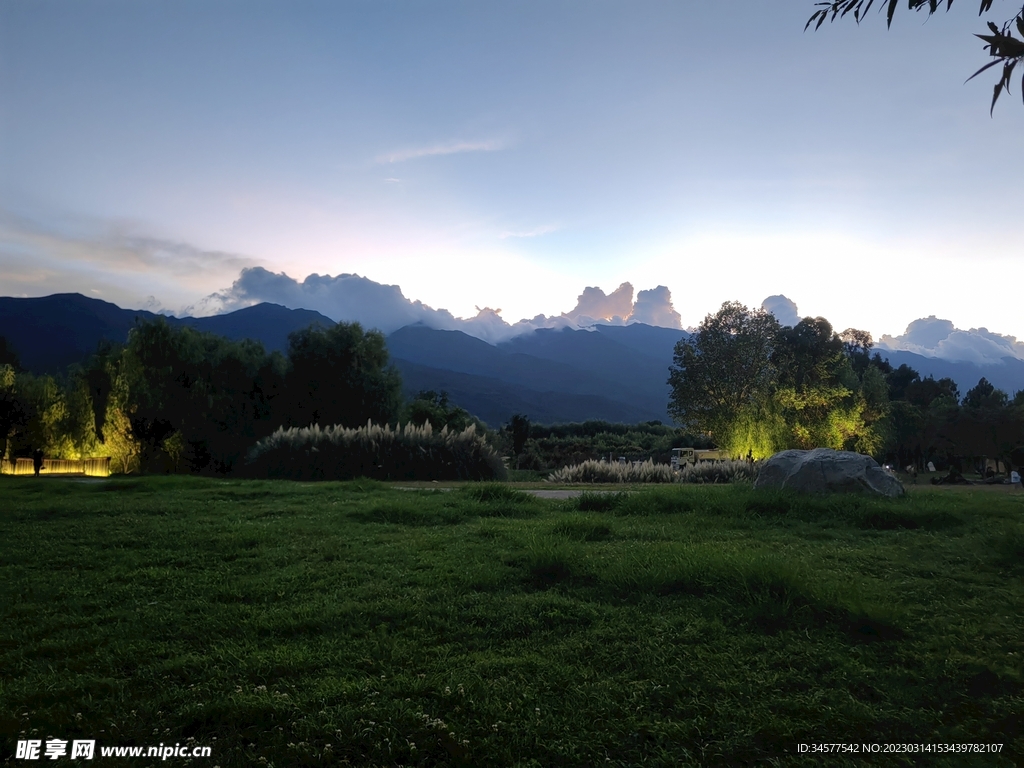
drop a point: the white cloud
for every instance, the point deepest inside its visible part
(451, 148)
(654, 307)
(593, 305)
(352, 298)
(784, 309)
(934, 337)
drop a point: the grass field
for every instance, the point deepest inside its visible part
(289, 624)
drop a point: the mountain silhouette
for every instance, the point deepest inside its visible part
(613, 373)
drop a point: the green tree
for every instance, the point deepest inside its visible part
(756, 388)
(727, 368)
(12, 410)
(923, 392)
(341, 375)
(435, 408)
(195, 400)
(985, 395)
(1000, 43)
(519, 428)
(8, 355)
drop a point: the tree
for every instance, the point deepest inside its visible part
(8, 356)
(726, 369)
(755, 387)
(435, 408)
(519, 427)
(1001, 45)
(900, 379)
(12, 410)
(196, 400)
(923, 392)
(985, 395)
(340, 375)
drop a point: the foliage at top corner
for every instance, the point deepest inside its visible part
(1000, 43)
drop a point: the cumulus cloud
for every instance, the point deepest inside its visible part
(654, 307)
(784, 309)
(343, 298)
(351, 298)
(934, 337)
(593, 305)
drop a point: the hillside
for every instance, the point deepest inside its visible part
(53, 332)
(614, 373)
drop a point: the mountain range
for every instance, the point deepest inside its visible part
(617, 373)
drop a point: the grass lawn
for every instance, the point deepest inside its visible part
(289, 624)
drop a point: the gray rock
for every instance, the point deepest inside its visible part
(824, 470)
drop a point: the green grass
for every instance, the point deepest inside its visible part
(294, 624)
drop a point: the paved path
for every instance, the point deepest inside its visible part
(540, 493)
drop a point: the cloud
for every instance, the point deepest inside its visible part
(344, 298)
(117, 262)
(351, 298)
(451, 148)
(784, 309)
(594, 306)
(934, 337)
(654, 307)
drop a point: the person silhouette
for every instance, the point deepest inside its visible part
(37, 460)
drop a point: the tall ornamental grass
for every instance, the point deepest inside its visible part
(592, 471)
(719, 472)
(379, 452)
(648, 472)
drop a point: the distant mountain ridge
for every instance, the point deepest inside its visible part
(53, 332)
(614, 373)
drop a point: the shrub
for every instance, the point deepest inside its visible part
(382, 453)
(719, 472)
(602, 472)
(649, 472)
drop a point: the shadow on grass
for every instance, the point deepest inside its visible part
(767, 593)
(860, 511)
(580, 528)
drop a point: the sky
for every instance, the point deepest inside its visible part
(506, 156)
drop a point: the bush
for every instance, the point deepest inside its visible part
(649, 472)
(603, 472)
(719, 472)
(382, 453)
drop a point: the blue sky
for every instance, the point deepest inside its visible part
(506, 155)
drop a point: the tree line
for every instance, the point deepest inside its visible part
(177, 399)
(755, 387)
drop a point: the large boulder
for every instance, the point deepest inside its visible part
(824, 470)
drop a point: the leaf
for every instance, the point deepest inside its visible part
(987, 66)
(890, 12)
(1020, 24)
(995, 96)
